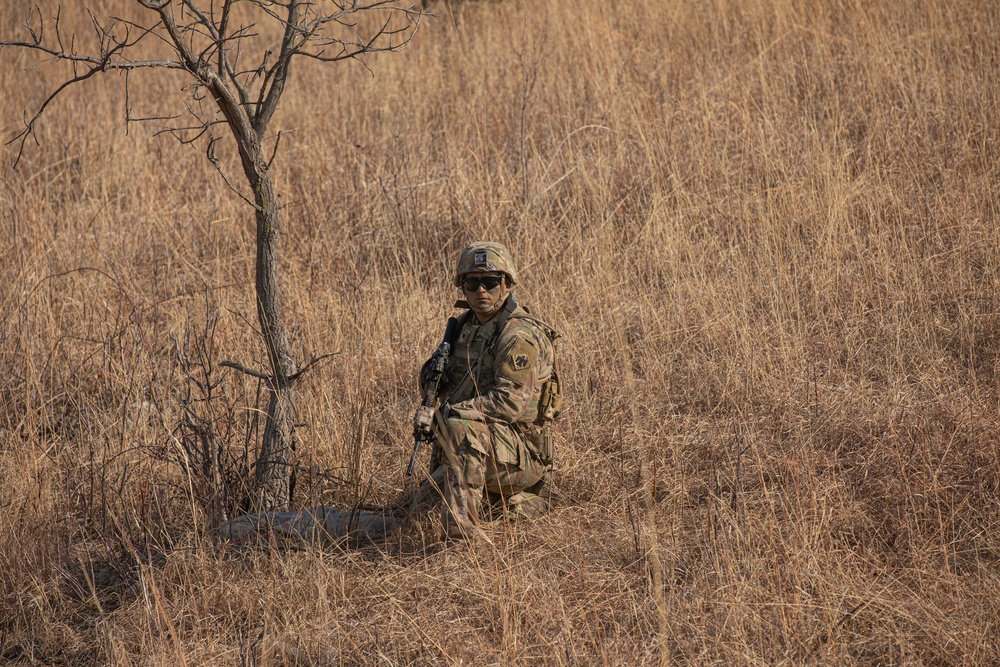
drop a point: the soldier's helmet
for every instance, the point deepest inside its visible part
(485, 256)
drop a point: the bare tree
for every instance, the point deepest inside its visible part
(211, 41)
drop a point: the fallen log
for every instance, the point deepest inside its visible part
(326, 523)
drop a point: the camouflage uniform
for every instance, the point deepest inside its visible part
(488, 434)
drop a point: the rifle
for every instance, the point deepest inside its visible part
(438, 363)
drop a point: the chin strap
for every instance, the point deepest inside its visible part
(464, 303)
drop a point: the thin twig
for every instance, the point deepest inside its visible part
(311, 364)
(210, 153)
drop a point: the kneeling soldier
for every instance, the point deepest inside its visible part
(498, 395)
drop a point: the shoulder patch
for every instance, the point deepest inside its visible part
(520, 363)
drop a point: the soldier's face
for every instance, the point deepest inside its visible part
(485, 301)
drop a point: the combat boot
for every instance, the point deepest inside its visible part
(455, 524)
(459, 510)
(532, 502)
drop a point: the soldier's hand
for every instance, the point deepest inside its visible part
(423, 420)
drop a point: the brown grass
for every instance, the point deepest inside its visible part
(768, 231)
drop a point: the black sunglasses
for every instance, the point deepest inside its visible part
(489, 282)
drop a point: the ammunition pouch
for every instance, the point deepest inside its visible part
(540, 443)
(550, 400)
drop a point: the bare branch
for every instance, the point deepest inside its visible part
(58, 32)
(313, 27)
(277, 86)
(152, 4)
(202, 19)
(182, 361)
(311, 364)
(175, 132)
(29, 125)
(243, 369)
(112, 57)
(348, 53)
(297, 37)
(224, 26)
(359, 47)
(31, 30)
(277, 142)
(218, 44)
(210, 153)
(128, 103)
(236, 116)
(102, 63)
(176, 34)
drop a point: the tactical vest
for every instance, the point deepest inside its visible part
(537, 433)
(550, 400)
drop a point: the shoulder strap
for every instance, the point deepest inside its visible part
(508, 308)
(463, 319)
(549, 331)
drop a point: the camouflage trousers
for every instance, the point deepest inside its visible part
(490, 461)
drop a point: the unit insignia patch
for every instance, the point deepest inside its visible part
(520, 362)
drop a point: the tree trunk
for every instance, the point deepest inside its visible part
(273, 475)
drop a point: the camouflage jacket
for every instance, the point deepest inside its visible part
(499, 382)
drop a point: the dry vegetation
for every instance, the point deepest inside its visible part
(768, 231)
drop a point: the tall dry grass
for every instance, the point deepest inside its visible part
(768, 231)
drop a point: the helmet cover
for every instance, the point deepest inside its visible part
(485, 256)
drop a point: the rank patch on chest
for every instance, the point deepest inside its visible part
(521, 361)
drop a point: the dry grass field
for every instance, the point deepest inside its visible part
(767, 230)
